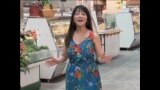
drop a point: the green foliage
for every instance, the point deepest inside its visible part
(24, 62)
(31, 46)
(113, 24)
(43, 47)
(45, 1)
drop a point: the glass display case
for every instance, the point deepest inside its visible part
(59, 29)
(110, 20)
(51, 31)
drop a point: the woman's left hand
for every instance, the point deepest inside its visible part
(106, 59)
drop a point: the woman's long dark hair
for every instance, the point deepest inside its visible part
(72, 26)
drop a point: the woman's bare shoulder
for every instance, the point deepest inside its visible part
(94, 36)
(93, 32)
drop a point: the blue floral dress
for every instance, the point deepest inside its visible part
(82, 72)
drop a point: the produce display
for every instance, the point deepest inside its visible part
(60, 30)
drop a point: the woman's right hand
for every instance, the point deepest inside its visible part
(52, 61)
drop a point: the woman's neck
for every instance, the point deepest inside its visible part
(81, 29)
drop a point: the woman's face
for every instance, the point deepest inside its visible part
(80, 18)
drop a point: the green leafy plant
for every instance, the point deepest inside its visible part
(113, 24)
(28, 45)
(31, 46)
(24, 59)
(24, 62)
(43, 47)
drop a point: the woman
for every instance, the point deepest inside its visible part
(81, 44)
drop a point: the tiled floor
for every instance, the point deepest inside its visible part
(123, 73)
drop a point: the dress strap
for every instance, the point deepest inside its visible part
(91, 35)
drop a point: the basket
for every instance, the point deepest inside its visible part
(48, 13)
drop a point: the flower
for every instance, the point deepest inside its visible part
(96, 73)
(91, 36)
(28, 44)
(24, 59)
(31, 35)
(77, 49)
(26, 39)
(78, 74)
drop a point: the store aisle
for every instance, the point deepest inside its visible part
(123, 73)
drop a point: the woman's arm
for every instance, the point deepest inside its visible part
(63, 57)
(56, 60)
(102, 57)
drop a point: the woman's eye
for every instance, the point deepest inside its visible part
(76, 13)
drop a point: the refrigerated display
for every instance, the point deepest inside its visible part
(129, 23)
(59, 28)
(47, 37)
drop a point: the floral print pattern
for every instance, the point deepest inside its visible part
(82, 72)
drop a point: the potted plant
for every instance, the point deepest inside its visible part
(26, 43)
(24, 59)
(113, 24)
(29, 74)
